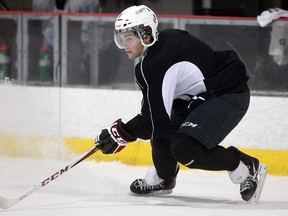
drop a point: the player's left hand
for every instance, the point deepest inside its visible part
(114, 138)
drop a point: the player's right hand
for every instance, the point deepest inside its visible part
(114, 138)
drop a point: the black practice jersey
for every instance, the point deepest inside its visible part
(180, 66)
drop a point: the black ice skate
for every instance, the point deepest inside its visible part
(140, 187)
(251, 188)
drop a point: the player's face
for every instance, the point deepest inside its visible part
(132, 45)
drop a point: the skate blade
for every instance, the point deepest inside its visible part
(262, 172)
(154, 193)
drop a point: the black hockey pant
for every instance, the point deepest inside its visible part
(193, 141)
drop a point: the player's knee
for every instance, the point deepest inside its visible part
(186, 150)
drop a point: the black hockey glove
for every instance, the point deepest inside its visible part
(114, 138)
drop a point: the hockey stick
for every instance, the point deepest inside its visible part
(7, 203)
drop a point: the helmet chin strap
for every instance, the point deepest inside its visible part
(144, 50)
(145, 46)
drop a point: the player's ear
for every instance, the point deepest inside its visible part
(147, 40)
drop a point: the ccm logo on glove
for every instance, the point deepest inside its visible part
(114, 138)
(117, 135)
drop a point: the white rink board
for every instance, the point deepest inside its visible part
(81, 113)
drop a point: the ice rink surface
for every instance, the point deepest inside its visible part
(102, 189)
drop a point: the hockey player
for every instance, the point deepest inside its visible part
(193, 97)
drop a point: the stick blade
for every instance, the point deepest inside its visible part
(7, 203)
(3, 203)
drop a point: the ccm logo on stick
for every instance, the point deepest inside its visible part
(54, 176)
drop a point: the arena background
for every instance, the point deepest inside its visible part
(60, 118)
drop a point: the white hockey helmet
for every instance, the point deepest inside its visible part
(139, 19)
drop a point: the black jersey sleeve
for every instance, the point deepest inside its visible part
(139, 127)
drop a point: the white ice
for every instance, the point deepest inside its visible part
(102, 189)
